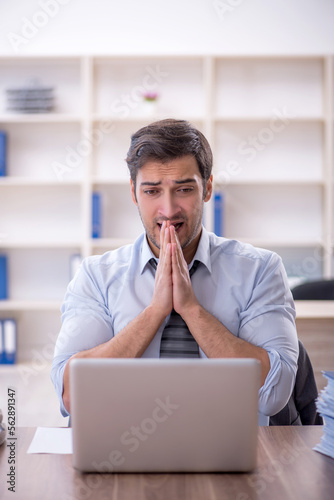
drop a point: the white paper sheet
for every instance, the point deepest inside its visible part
(52, 440)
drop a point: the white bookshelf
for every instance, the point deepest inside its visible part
(278, 190)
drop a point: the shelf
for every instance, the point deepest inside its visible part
(29, 182)
(314, 309)
(266, 119)
(26, 244)
(105, 181)
(281, 243)
(269, 121)
(40, 118)
(271, 182)
(30, 305)
(110, 243)
(144, 118)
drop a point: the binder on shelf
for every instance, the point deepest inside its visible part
(2, 349)
(96, 216)
(75, 261)
(8, 341)
(218, 216)
(3, 153)
(3, 277)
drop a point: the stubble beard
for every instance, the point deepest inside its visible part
(193, 230)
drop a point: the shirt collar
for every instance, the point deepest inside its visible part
(203, 250)
(145, 255)
(202, 253)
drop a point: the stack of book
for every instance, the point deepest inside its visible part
(30, 99)
(325, 406)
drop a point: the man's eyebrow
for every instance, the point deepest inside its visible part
(181, 181)
(148, 183)
(185, 181)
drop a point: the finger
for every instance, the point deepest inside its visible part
(162, 235)
(175, 260)
(165, 259)
(164, 240)
(180, 260)
(176, 241)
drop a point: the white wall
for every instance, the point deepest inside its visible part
(166, 26)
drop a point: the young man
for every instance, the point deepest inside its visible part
(234, 302)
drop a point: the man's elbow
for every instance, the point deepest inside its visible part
(66, 401)
(274, 398)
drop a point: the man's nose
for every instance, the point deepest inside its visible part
(169, 208)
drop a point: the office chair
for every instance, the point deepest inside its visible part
(301, 408)
(314, 290)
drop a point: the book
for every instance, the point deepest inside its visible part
(325, 406)
(30, 99)
(2, 349)
(218, 218)
(96, 216)
(9, 341)
(3, 153)
(3, 278)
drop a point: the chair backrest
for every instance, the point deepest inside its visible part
(314, 290)
(301, 408)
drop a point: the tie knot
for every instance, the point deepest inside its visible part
(193, 267)
(153, 263)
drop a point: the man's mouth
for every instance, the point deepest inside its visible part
(177, 225)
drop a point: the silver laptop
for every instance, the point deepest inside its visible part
(161, 415)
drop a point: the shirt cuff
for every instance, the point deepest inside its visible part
(276, 391)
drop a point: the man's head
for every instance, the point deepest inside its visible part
(167, 140)
(170, 164)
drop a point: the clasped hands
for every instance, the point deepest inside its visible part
(173, 287)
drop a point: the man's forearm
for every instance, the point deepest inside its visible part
(216, 341)
(131, 342)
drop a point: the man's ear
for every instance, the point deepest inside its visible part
(208, 189)
(133, 192)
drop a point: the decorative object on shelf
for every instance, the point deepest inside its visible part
(7, 341)
(3, 278)
(30, 99)
(325, 406)
(3, 153)
(218, 207)
(3, 429)
(150, 103)
(96, 216)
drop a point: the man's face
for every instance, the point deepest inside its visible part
(171, 191)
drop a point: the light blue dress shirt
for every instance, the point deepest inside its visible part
(244, 287)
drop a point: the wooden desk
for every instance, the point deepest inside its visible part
(287, 469)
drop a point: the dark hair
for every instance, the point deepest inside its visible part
(166, 140)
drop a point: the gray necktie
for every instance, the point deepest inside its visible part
(176, 340)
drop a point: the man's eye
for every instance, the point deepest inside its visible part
(185, 190)
(150, 192)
